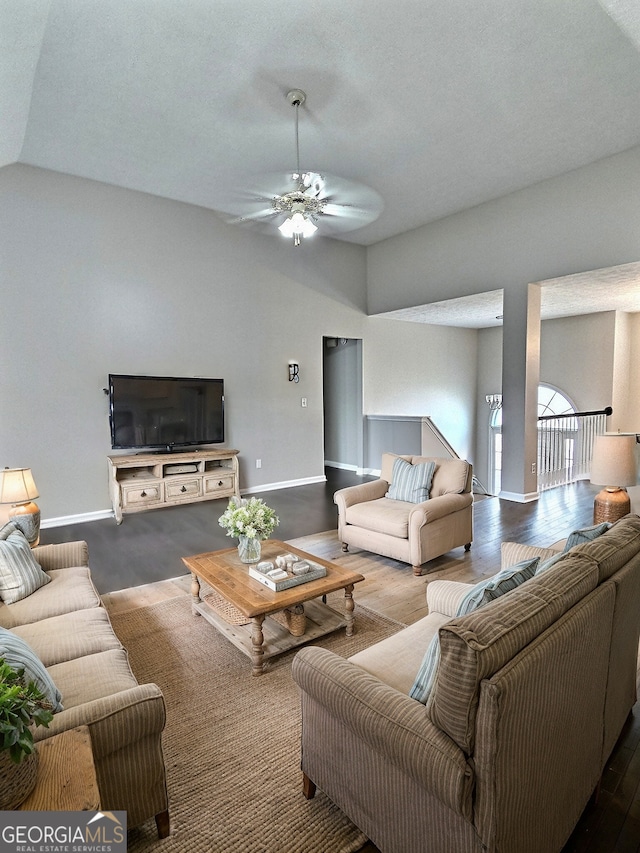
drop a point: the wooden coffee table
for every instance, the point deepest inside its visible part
(260, 637)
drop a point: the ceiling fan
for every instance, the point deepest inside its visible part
(300, 202)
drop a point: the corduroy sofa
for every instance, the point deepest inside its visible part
(412, 532)
(529, 698)
(66, 625)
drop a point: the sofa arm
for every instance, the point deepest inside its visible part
(370, 491)
(389, 722)
(445, 596)
(114, 721)
(62, 555)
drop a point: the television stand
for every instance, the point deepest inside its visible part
(143, 481)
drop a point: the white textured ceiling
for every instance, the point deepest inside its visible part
(438, 106)
(611, 289)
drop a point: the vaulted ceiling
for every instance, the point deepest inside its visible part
(438, 106)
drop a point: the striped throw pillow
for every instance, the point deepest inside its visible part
(427, 672)
(411, 482)
(492, 588)
(587, 534)
(480, 594)
(20, 573)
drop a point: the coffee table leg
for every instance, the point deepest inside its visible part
(257, 639)
(348, 607)
(195, 593)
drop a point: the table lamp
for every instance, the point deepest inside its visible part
(18, 488)
(613, 466)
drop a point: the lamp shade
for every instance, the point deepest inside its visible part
(17, 486)
(614, 460)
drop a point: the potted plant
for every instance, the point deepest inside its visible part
(250, 520)
(22, 708)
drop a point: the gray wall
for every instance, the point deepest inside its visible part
(97, 279)
(584, 220)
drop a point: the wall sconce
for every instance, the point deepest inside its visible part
(294, 371)
(494, 401)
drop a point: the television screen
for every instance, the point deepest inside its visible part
(164, 411)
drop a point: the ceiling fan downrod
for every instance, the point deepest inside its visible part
(297, 225)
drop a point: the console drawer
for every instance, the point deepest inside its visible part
(140, 495)
(182, 489)
(222, 484)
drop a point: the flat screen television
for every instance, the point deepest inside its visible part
(165, 412)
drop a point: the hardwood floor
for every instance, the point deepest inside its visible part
(610, 824)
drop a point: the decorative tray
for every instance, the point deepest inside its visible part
(267, 574)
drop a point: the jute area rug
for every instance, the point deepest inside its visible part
(232, 741)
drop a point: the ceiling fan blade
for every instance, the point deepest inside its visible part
(257, 217)
(346, 205)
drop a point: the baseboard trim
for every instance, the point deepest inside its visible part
(526, 498)
(284, 484)
(342, 466)
(81, 518)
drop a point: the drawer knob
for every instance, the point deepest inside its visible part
(143, 494)
(219, 482)
(183, 489)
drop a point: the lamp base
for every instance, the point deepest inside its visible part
(610, 506)
(27, 518)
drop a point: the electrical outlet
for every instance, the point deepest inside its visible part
(258, 463)
(533, 467)
(303, 401)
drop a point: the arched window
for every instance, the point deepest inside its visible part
(551, 401)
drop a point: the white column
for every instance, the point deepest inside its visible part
(520, 379)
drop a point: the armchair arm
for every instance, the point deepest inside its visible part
(370, 491)
(435, 508)
(62, 555)
(114, 721)
(390, 723)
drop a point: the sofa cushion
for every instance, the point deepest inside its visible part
(450, 477)
(395, 660)
(411, 482)
(70, 589)
(615, 547)
(19, 655)
(475, 646)
(70, 635)
(478, 595)
(93, 677)
(383, 515)
(20, 573)
(587, 534)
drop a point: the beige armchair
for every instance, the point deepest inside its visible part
(411, 532)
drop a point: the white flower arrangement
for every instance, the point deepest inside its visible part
(249, 517)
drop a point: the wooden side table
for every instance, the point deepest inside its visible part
(66, 774)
